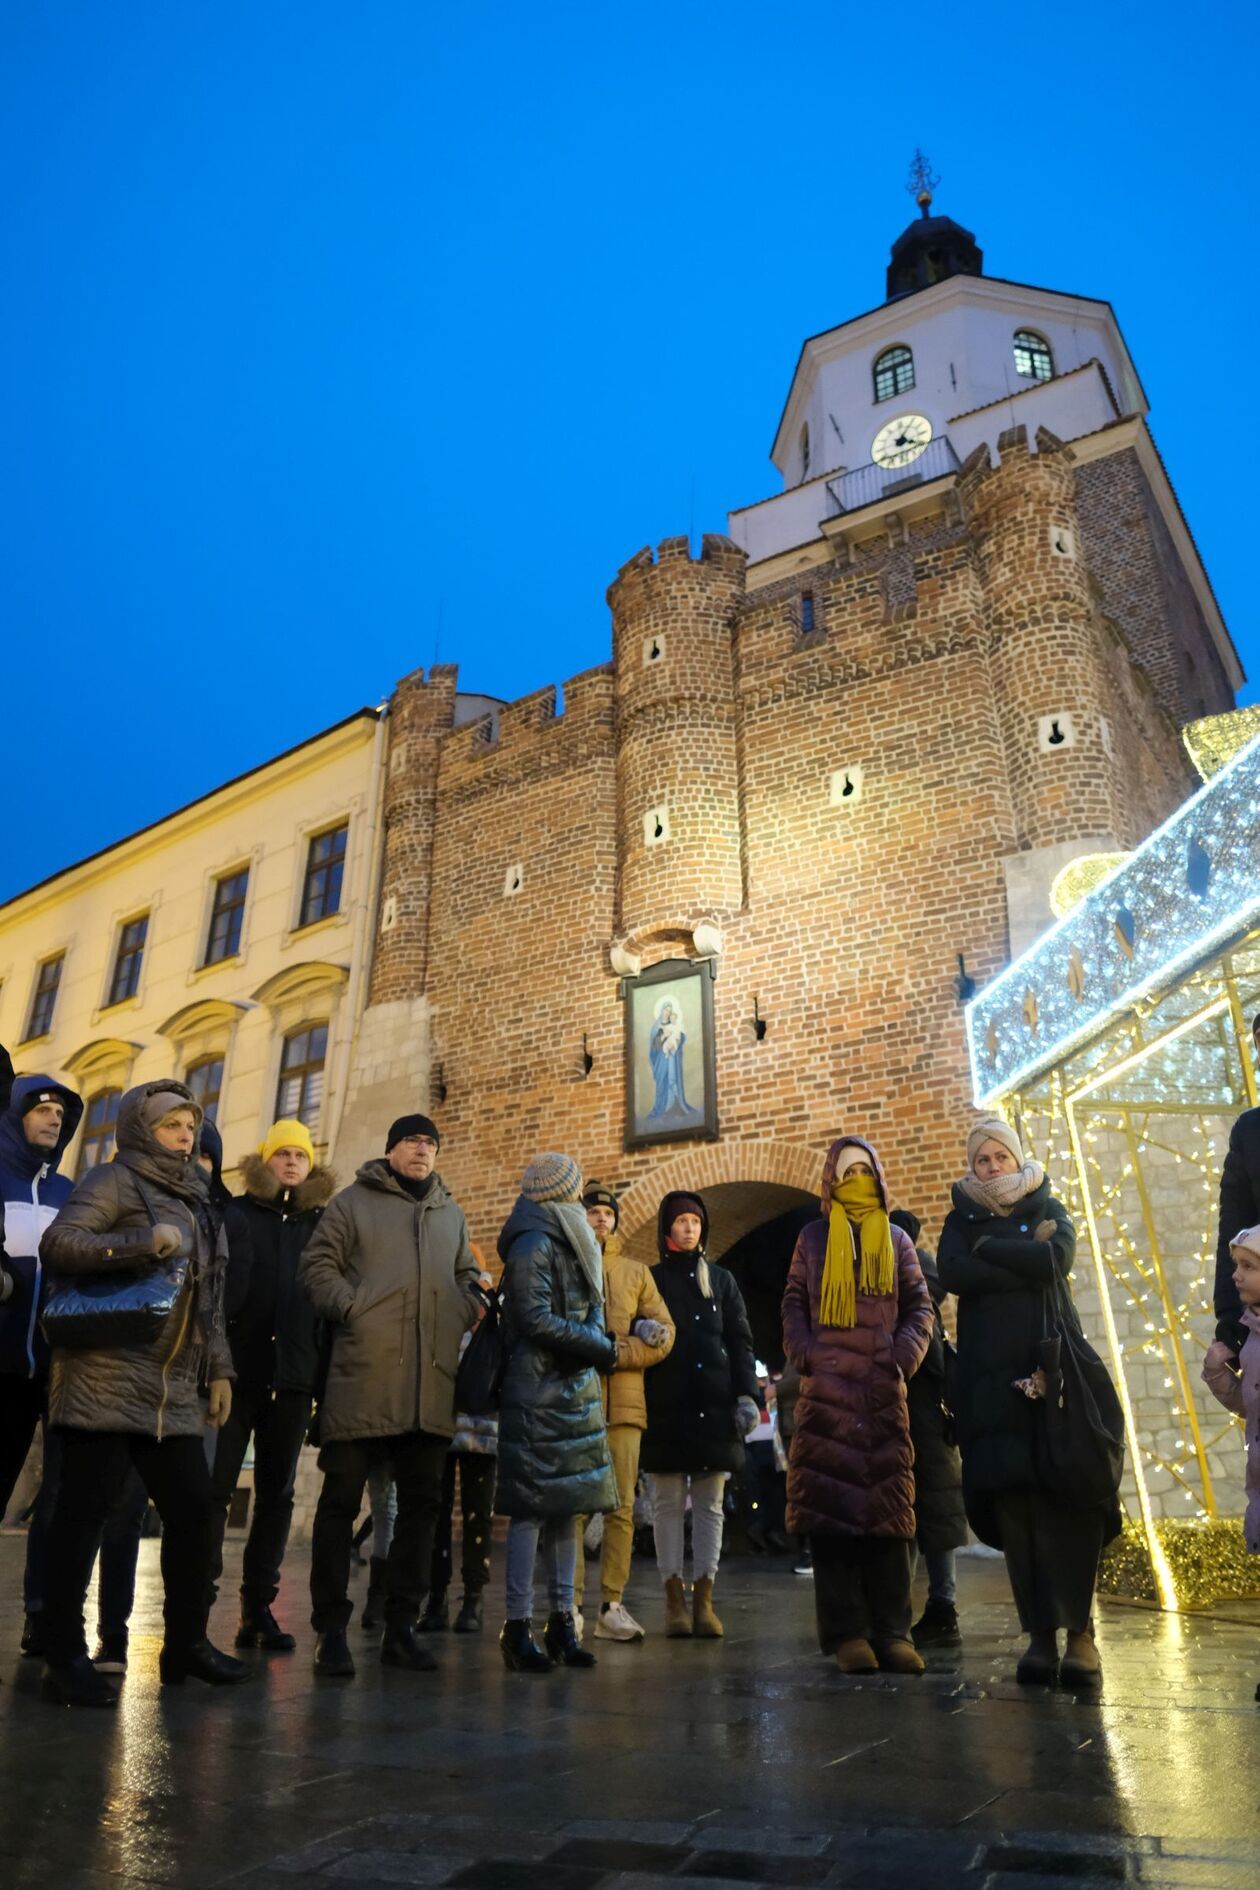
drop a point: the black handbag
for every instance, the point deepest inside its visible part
(92, 1312)
(479, 1374)
(1078, 1435)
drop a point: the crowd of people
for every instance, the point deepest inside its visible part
(158, 1327)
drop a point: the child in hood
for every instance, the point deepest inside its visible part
(1239, 1391)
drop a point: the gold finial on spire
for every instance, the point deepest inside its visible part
(922, 181)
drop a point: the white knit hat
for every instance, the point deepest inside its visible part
(1248, 1238)
(849, 1157)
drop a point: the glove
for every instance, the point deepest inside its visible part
(651, 1331)
(747, 1416)
(166, 1240)
(1045, 1230)
(220, 1403)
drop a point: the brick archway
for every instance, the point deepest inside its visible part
(768, 1175)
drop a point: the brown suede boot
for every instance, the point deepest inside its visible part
(677, 1619)
(856, 1657)
(1080, 1666)
(900, 1657)
(704, 1622)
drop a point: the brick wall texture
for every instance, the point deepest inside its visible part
(937, 646)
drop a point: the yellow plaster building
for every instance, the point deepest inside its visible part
(226, 945)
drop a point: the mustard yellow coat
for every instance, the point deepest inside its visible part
(630, 1293)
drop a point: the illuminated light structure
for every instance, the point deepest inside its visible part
(1120, 1045)
(1079, 877)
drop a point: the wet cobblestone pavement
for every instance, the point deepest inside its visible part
(745, 1763)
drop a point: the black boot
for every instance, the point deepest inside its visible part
(521, 1652)
(259, 1628)
(374, 1601)
(333, 1659)
(561, 1641)
(201, 1661)
(937, 1626)
(77, 1683)
(435, 1619)
(469, 1620)
(33, 1637)
(400, 1647)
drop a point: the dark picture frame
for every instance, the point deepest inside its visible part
(671, 1065)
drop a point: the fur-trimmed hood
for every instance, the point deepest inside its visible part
(265, 1187)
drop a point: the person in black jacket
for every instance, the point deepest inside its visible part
(274, 1335)
(1240, 1207)
(940, 1521)
(701, 1404)
(1004, 1243)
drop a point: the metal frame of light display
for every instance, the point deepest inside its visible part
(1120, 1045)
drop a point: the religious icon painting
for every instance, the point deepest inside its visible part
(671, 1088)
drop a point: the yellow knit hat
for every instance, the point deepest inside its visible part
(287, 1133)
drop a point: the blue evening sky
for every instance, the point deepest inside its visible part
(339, 336)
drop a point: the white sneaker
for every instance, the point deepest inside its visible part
(616, 1623)
(579, 1622)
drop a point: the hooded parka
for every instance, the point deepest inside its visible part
(691, 1396)
(106, 1227)
(1002, 1318)
(31, 1192)
(396, 1279)
(553, 1448)
(851, 1469)
(273, 1328)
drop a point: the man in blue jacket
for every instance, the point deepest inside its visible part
(35, 1130)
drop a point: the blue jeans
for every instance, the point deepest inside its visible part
(559, 1546)
(940, 1565)
(119, 1543)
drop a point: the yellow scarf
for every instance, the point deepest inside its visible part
(859, 1199)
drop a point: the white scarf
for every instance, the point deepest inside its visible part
(1003, 1194)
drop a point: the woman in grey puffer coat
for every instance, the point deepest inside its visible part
(554, 1464)
(139, 1404)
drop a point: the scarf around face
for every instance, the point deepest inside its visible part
(1003, 1194)
(858, 1198)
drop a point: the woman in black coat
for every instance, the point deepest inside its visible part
(701, 1404)
(554, 1464)
(1004, 1243)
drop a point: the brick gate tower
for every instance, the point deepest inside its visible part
(835, 752)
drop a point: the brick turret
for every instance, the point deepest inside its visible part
(421, 714)
(673, 649)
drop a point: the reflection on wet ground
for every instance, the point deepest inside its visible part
(745, 1762)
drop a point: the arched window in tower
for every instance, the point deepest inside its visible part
(805, 451)
(894, 373)
(1033, 359)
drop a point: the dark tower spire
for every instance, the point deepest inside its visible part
(933, 248)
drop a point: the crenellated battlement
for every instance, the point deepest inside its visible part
(585, 700)
(717, 552)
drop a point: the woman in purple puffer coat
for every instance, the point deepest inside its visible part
(857, 1319)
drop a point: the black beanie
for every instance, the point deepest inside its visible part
(908, 1223)
(597, 1196)
(411, 1125)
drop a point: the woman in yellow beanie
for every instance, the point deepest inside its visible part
(273, 1333)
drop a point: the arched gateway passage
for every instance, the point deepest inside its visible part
(759, 1196)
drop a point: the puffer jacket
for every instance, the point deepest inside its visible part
(31, 1192)
(1002, 1319)
(274, 1332)
(940, 1520)
(691, 1398)
(107, 1227)
(630, 1293)
(851, 1471)
(1240, 1392)
(553, 1447)
(396, 1279)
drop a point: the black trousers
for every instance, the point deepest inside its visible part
(476, 1504)
(418, 1460)
(94, 1467)
(861, 1589)
(277, 1422)
(1052, 1552)
(119, 1544)
(21, 1404)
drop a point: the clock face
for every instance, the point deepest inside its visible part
(902, 440)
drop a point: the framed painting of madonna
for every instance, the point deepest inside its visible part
(671, 1087)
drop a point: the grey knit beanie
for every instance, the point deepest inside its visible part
(552, 1177)
(993, 1129)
